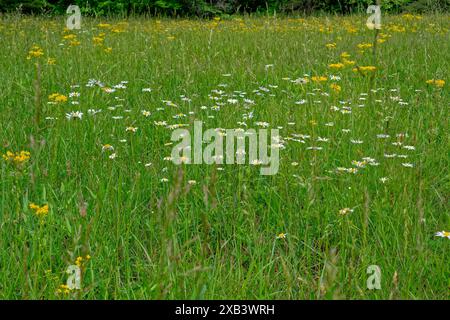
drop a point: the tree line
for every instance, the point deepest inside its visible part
(208, 8)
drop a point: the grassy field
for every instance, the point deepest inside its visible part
(363, 177)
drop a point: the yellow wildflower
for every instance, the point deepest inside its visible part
(16, 158)
(438, 83)
(348, 62)
(319, 78)
(35, 52)
(63, 288)
(364, 69)
(98, 40)
(40, 212)
(57, 98)
(409, 16)
(281, 235)
(70, 37)
(338, 65)
(79, 261)
(365, 45)
(104, 25)
(337, 88)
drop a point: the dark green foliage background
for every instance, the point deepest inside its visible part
(205, 8)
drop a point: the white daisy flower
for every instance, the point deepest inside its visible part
(74, 115)
(407, 165)
(443, 234)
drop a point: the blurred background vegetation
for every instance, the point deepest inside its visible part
(208, 8)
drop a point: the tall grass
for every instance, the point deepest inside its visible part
(150, 239)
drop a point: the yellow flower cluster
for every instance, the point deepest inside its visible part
(363, 46)
(364, 69)
(79, 261)
(72, 38)
(335, 87)
(104, 25)
(16, 158)
(40, 212)
(117, 28)
(319, 79)
(57, 98)
(438, 83)
(64, 288)
(338, 65)
(98, 40)
(409, 16)
(345, 60)
(396, 28)
(120, 27)
(35, 52)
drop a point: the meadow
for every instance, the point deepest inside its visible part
(86, 118)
